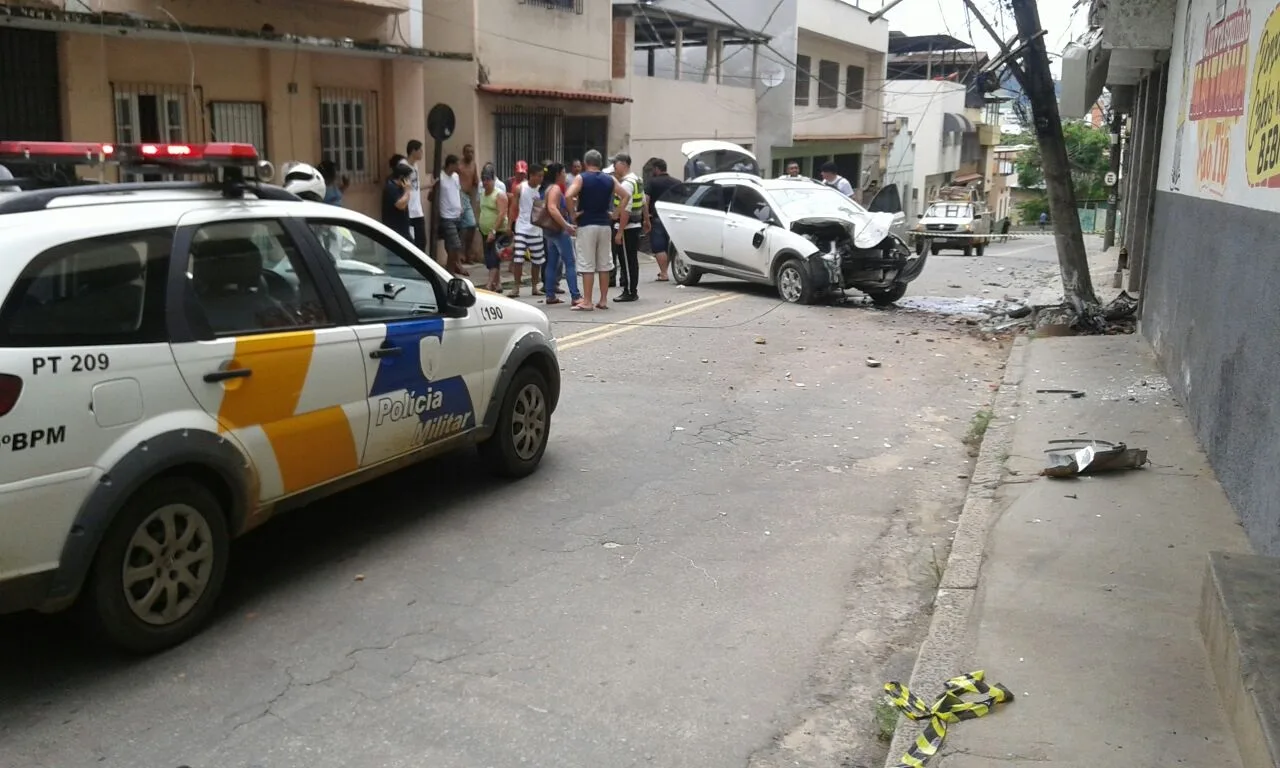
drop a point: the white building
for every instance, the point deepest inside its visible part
(931, 112)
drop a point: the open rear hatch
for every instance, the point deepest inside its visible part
(711, 156)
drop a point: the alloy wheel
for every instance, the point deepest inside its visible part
(167, 564)
(528, 422)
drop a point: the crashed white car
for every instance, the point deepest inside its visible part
(799, 235)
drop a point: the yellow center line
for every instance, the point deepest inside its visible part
(658, 313)
(630, 325)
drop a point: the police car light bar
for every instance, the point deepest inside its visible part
(82, 153)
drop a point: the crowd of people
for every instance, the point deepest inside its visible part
(572, 224)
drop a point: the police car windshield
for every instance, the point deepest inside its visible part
(949, 211)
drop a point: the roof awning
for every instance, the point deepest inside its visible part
(553, 93)
(966, 178)
(129, 25)
(839, 137)
(954, 122)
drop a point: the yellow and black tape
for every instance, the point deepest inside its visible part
(950, 707)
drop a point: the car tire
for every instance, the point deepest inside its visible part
(968, 249)
(982, 247)
(886, 298)
(920, 246)
(128, 610)
(934, 250)
(516, 446)
(682, 271)
(795, 286)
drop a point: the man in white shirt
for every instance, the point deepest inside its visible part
(448, 195)
(832, 178)
(417, 220)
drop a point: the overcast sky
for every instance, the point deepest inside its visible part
(1061, 20)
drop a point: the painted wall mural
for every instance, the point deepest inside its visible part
(1225, 82)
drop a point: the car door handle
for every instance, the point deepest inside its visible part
(731, 225)
(231, 373)
(678, 217)
(386, 350)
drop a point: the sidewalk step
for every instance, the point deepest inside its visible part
(1240, 621)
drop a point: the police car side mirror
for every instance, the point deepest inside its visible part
(460, 294)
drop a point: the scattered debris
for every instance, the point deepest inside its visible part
(1073, 392)
(761, 340)
(1080, 457)
(359, 577)
(872, 362)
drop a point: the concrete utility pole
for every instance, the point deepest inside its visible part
(1077, 285)
(1113, 189)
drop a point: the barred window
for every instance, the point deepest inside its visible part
(348, 132)
(855, 82)
(151, 113)
(828, 84)
(573, 6)
(802, 80)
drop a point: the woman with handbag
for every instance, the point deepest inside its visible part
(526, 202)
(558, 232)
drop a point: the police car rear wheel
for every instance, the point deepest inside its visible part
(516, 447)
(159, 568)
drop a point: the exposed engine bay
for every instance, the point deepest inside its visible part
(873, 260)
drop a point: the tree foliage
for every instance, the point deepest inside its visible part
(1088, 152)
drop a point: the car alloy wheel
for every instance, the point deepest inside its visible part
(529, 422)
(168, 564)
(680, 266)
(790, 284)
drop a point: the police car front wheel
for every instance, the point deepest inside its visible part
(516, 446)
(159, 568)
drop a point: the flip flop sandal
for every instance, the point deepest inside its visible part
(602, 306)
(580, 308)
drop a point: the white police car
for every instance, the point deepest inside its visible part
(179, 361)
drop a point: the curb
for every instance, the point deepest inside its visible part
(946, 650)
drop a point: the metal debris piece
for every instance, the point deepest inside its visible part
(1073, 392)
(761, 340)
(872, 362)
(1086, 457)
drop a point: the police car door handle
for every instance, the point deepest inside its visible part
(678, 217)
(230, 373)
(386, 350)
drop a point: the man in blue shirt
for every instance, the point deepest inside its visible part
(395, 198)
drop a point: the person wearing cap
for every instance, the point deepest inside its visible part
(493, 222)
(528, 242)
(832, 178)
(520, 173)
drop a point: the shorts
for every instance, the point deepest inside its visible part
(491, 258)
(659, 242)
(468, 220)
(595, 249)
(449, 234)
(530, 247)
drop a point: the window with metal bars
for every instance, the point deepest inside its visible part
(530, 134)
(802, 80)
(239, 122)
(828, 84)
(151, 113)
(573, 6)
(349, 133)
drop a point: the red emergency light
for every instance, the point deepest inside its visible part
(84, 153)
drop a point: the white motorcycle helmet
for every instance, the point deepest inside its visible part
(304, 181)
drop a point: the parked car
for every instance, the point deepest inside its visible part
(954, 224)
(800, 237)
(180, 361)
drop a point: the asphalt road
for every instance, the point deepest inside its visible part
(729, 547)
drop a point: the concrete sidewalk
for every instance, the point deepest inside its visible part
(1082, 596)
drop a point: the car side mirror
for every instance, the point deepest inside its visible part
(460, 293)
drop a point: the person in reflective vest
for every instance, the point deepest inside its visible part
(632, 217)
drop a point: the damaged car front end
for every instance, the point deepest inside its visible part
(858, 251)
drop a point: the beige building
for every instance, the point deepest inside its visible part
(342, 80)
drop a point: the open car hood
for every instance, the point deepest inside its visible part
(868, 228)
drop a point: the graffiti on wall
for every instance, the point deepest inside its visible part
(1262, 132)
(1219, 83)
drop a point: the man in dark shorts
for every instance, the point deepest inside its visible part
(659, 184)
(395, 199)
